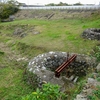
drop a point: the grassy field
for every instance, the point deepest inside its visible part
(55, 35)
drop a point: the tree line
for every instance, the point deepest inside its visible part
(63, 4)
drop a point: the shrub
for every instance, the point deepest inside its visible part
(8, 8)
(48, 92)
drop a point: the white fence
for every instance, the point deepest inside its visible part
(95, 7)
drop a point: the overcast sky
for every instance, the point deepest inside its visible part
(42, 2)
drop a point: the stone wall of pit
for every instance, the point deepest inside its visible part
(43, 67)
(91, 34)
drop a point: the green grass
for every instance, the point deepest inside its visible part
(55, 35)
(12, 86)
(62, 35)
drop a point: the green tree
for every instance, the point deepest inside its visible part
(8, 8)
(51, 4)
(60, 4)
(76, 4)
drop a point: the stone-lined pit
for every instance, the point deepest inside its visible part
(91, 33)
(43, 67)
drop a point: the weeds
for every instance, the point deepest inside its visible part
(95, 94)
(48, 92)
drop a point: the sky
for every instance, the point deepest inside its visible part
(43, 2)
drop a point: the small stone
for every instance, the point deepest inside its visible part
(33, 62)
(44, 76)
(37, 70)
(44, 82)
(72, 77)
(80, 97)
(87, 91)
(29, 63)
(30, 69)
(42, 55)
(43, 68)
(95, 75)
(37, 60)
(92, 81)
(59, 63)
(87, 86)
(51, 52)
(34, 71)
(75, 80)
(45, 59)
(36, 32)
(55, 56)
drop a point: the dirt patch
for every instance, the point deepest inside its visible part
(53, 14)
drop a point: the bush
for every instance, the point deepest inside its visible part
(7, 9)
(48, 92)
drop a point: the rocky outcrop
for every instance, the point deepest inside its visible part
(19, 32)
(43, 68)
(91, 34)
(90, 86)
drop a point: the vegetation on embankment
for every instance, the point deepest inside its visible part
(54, 35)
(8, 8)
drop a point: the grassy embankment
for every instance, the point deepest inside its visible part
(55, 35)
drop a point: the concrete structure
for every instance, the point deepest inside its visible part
(86, 7)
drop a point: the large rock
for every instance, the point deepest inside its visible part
(44, 66)
(91, 33)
